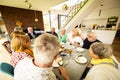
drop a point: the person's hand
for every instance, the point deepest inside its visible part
(89, 65)
(63, 72)
(77, 44)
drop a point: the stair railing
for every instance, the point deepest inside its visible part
(73, 11)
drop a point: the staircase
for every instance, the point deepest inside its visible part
(79, 12)
(73, 11)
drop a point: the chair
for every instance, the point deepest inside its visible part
(7, 46)
(7, 68)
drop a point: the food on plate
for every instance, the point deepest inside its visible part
(59, 60)
(68, 50)
(79, 49)
(80, 59)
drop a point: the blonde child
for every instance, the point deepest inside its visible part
(21, 48)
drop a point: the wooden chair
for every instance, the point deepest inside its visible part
(7, 46)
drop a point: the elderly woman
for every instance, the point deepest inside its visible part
(62, 36)
(104, 68)
(46, 47)
(75, 38)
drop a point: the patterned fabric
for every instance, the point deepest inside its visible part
(26, 70)
(28, 51)
(17, 56)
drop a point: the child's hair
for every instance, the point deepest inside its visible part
(20, 43)
(16, 33)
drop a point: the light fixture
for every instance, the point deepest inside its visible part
(100, 9)
(65, 7)
(25, 1)
(29, 5)
(36, 19)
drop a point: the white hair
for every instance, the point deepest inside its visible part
(93, 35)
(102, 50)
(29, 28)
(45, 47)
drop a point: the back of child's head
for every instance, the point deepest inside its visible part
(20, 42)
(16, 33)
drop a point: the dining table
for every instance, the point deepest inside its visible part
(74, 68)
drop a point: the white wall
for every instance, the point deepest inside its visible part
(94, 18)
(89, 22)
(106, 36)
(105, 13)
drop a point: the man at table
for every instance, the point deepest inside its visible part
(52, 31)
(91, 38)
(32, 33)
(46, 47)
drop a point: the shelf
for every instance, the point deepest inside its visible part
(96, 19)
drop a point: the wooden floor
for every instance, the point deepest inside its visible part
(116, 48)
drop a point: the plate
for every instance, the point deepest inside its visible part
(81, 59)
(80, 49)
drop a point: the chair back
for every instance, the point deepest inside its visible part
(7, 68)
(7, 46)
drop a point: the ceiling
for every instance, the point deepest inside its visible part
(41, 5)
(109, 4)
(45, 5)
